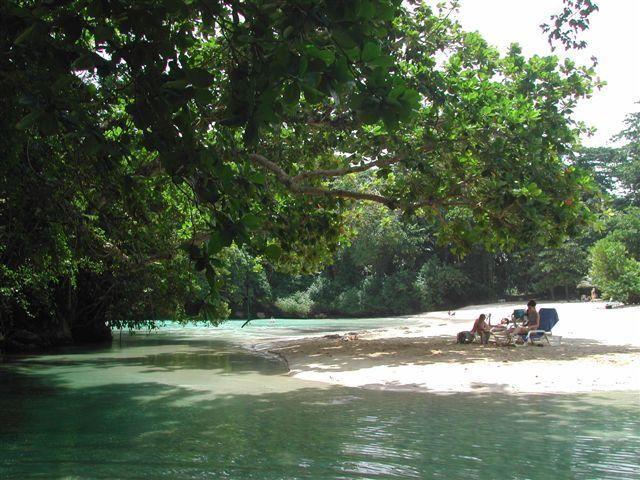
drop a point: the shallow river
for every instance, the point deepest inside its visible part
(191, 403)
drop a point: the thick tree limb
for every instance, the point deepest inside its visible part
(282, 176)
(336, 192)
(294, 183)
(339, 172)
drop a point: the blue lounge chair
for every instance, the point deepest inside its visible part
(548, 319)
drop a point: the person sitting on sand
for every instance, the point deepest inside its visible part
(481, 328)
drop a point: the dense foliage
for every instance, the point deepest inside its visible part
(142, 137)
(615, 265)
(394, 264)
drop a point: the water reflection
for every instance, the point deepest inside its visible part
(209, 410)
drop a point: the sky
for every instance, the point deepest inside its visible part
(613, 37)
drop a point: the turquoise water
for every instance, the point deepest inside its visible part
(263, 331)
(187, 404)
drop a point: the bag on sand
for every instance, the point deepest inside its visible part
(465, 337)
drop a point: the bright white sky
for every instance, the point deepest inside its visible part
(613, 37)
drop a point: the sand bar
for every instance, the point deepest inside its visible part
(599, 351)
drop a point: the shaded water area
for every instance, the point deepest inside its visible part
(192, 404)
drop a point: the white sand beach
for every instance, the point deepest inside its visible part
(599, 351)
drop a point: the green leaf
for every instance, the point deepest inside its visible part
(215, 243)
(265, 111)
(25, 35)
(341, 70)
(370, 52)
(287, 32)
(63, 82)
(326, 55)
(353, 54)
(343, 38)
(28, 120)
(396, 92)
(304, 64)
(257, 177)
(225, 174)
(367, 9)
(383, 61)
(273, 252)
(313, 95)
(180, 84)
(251, 221)
(410, 98)
(386, 11)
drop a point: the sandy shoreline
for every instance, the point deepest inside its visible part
(599, 351)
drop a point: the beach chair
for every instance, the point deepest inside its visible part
(548, 319)
(518, 315)
(500, 334)
(500, 337)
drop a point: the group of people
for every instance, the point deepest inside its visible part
(531, 322)
(590, 298)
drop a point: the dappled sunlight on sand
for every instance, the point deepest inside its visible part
(426, 358)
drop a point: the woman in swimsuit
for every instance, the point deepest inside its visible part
(533, 320)
(481, 328)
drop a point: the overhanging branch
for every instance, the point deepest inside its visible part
(294, 183)
(339, 172)
(336, 192)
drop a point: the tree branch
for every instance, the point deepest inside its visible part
(338, 172)
(274, 167)
(292, 183)
(336, 192)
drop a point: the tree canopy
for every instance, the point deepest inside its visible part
(141, 136)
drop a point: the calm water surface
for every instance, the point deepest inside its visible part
(191, 404)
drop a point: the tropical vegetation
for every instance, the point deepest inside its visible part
(199, 158)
